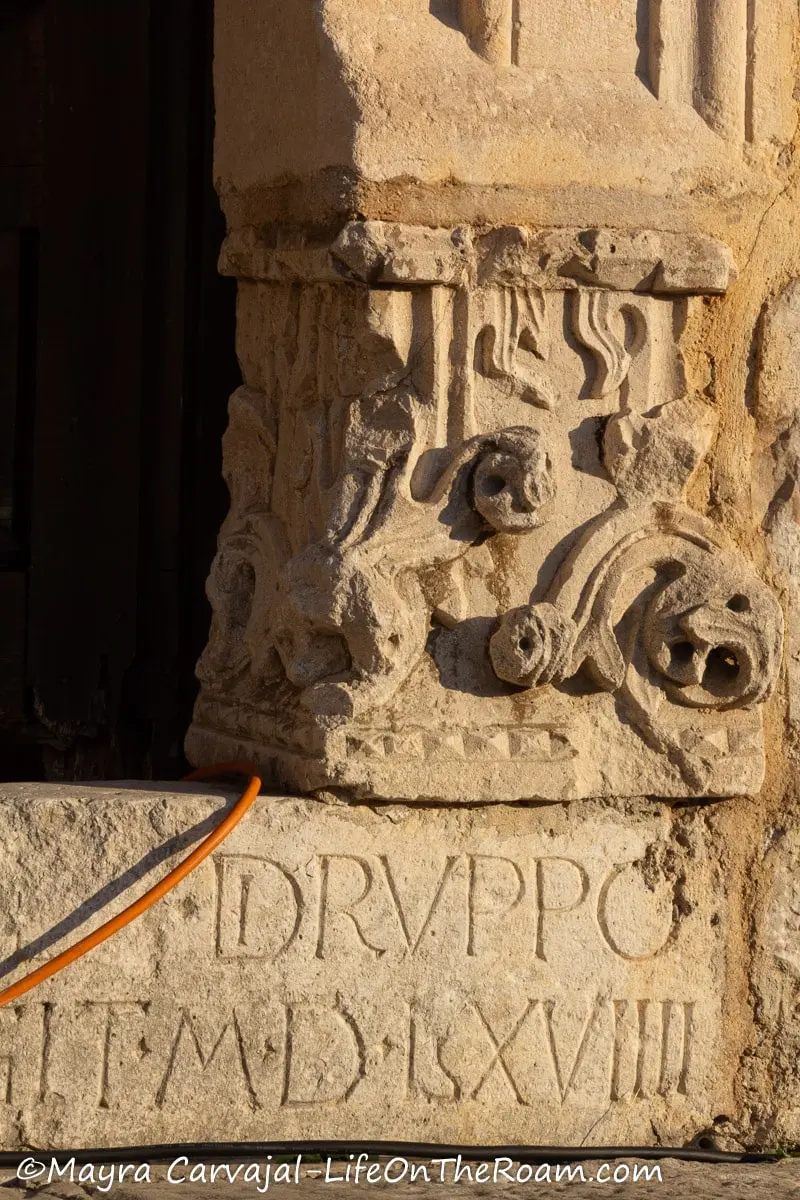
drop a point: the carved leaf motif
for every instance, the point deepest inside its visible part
(353, 617)
(513, 334)
(529, 321)
(242, 590)
(592, 314)
(248, 451)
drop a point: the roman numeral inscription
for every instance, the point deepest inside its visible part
(310, 1054)
(382, 973)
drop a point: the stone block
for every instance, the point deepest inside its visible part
(491, 536)
(491, 975)
(459, 471)
(486, 111)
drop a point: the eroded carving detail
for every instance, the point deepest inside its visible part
(534, 645)
(594, 327)
(700, 55)
(650, 602)
(393, 462)
(353, 617)
(513, 334)
(488, 26)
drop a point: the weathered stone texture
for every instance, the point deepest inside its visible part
(445, 494)
(513, 475)
(513, 470)
(663, 115)
(486, 975)
(491, 535)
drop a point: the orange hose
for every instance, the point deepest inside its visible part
(156, 893)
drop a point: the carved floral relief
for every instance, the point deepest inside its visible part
(459, 561)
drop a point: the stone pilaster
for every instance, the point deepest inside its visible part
(459, 562)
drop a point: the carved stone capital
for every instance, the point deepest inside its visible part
(460, 563)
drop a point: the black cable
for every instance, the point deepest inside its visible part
(339, 1152)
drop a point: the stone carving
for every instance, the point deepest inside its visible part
(646, 261)
(349, 972)
(488, 26)
(593, 327)
(704, 59)
(347, 616)
(426, 552)
(709, 635)
(534, 645)
(513, 333)
(352, 615)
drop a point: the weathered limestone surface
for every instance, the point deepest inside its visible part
(668, 114)
(460, 563)
(513, 475)
(551, 974)
(492, 535)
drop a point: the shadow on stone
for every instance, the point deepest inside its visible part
(117, 887)
(462, 658)
(445, 11)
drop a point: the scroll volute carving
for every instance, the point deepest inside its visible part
(393, 485)
(652, 602)
(353, 616)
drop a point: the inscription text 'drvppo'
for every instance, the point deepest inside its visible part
(335, 972)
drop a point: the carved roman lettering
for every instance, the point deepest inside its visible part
(331, 902)
(504, 968)
(260, 907)
(652, 1048)
(413, 942)
(44, 1058)
(424, 1064)
(565, 1079)
(187, 1054)
(614, 916)
(488, 896)
(7, 1078)
(500, 1048)
(325, 1056)
(10, 1021)
(562, 885)
(116, 1016)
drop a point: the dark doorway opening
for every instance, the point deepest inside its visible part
(116, 361)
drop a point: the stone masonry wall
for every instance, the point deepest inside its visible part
(505, 607)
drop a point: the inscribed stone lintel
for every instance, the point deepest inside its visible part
(333, 972)
(460, 563)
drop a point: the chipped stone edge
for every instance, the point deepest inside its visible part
(378, 252)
